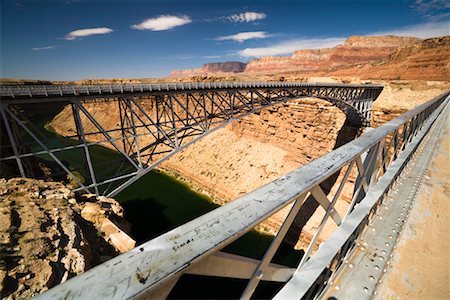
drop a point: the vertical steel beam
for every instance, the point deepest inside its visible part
(174, 124)
(13, 141)
(133, 126)
(81, 137)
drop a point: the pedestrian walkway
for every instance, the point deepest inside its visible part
(420, 266)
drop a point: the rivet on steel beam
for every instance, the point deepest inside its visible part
(260, 274)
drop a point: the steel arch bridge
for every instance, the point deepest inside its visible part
(155, 121)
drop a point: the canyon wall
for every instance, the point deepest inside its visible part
(428, 59)
(369, 57)
(261, 147)
(355, 50)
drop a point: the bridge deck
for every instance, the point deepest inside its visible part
(106, 90)
(426, 237)
(362, 276)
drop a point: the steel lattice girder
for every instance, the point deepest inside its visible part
(156, 121)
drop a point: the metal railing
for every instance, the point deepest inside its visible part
(30, 91)
(377, 158)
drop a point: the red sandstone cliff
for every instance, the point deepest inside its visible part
(383, 57)
(428, 59)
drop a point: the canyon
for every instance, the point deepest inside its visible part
(228, 163)
(252, 151)
(365, 57)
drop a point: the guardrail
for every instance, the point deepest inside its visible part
(29, 91)
(378, 157)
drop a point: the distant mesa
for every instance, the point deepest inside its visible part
(382, 57)
(212, 68)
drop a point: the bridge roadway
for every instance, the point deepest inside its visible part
(378, 159)
(154, 121)
(365, 271)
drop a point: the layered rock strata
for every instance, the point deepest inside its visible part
(374, 57)
(43, 238)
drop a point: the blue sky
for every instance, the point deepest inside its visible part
(76, 39)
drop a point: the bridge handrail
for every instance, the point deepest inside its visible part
(153, 263)
(30, 91)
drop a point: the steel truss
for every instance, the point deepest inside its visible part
(156, 121)
(378, 158)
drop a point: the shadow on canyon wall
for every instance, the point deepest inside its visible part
(347, 133)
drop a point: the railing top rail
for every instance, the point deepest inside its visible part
(158, 260)
(30, 91)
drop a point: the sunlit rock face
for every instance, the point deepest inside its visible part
(380, 57)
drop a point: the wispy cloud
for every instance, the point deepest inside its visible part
(425, 30)
(163, 22)
(211, 56)
(249, 16)
(243, 36)
(290, 46)
(43, 48)
(425, 6)
(434, 10)
(87, 32)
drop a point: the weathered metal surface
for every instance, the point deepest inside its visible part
(157, 121)
(362, 270)
(305, 278)
(153, 264)
(223, 264)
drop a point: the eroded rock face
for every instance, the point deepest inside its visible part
(43, 239)
(41, 244)
(382, 57)
(107, 216)
(355, 50)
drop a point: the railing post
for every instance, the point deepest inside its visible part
(259, 272)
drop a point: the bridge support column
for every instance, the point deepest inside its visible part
(12, 140)
(82, 139)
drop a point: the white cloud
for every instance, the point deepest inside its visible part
(249, 16)
(211, 56)
(288, 47)
(426, 30)
(43, 48)
(87, 32)
(243, 36)
(430, 6)
(164, 22)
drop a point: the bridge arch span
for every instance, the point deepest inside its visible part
(156, 121)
